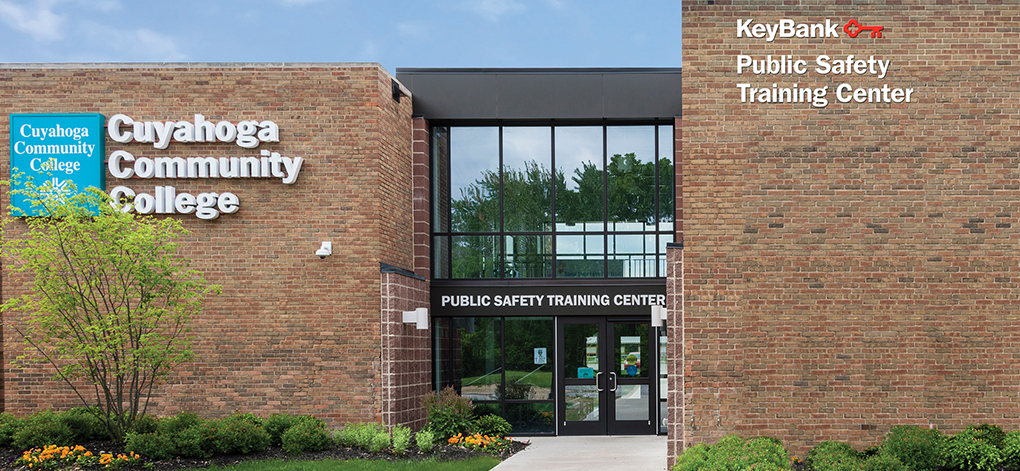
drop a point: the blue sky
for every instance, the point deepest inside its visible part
(440, 33)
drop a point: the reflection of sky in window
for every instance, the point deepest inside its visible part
(472, 152)
(639, 140)
(526, 144)
(579, 244)
(574, 146)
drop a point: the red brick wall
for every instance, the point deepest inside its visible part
(291, 332)
(407, 353)
(853, 267)
(422, 189)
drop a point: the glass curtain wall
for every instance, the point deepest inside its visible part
(552, 201)
(503, 364)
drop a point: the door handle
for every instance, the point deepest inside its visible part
(612, 375)
(597, 382)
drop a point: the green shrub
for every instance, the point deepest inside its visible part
(493, 426)
(175, 425)
(277, 424)
(196, 441)
(883, 462)
(41, 429)
(448, 413)
(834, 456)
(695, 458)
(9, 425)
(991, 434)
(969, 450)
(309, 435)
(151, 445)
(401, 439)
(380, 442)
(241, 434)
(915, 447)
(735, 453)
(425, 440)
(1010, 450)
(358, 435)
(145, 424)
(85, 423)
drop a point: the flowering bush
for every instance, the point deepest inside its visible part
(478, 441)
(57, 457)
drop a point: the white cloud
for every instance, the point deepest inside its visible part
(133, 45)
(412, 29)
(39, 21)
(493, 9)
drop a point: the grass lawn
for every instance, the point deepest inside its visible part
(484, 463)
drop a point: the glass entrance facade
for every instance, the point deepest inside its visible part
(505, 365)
(551, 201)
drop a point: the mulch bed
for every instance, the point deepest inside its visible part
(442, 452)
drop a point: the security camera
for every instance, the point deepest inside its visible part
(326, 250)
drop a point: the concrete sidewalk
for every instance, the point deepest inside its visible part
(637, 453)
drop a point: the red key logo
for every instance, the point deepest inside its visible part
(853, 28)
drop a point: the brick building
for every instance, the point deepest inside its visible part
(832, 238)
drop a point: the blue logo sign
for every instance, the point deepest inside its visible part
(53, 150)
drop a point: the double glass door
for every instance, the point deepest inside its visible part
(606, 376)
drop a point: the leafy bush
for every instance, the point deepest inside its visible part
(197, 441)
(883, 462)
(425, 440)
(694, 458)
(145, 424)
(970, 450)
(915, 447)
(401, 439)
(85, 423)
(380, 442)
(151, 445)
(448, 413)
(991, 434)
(242, 433)
(493, 426)
(175, 425)
(42, 429)
(309, 435)
(735, 453)
(834, 456)
(1010, 450)
(277, 424)
(359, 435)
(9, 425)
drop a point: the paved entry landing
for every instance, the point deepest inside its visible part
(632, 453)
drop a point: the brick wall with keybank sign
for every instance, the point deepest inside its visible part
(851, 196)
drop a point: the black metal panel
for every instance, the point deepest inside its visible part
(543, 96)
(464, 96)
(642, 95)
(579, 94)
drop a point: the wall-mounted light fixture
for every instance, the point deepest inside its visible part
(419, 317)
(658, 316)
(326, 250)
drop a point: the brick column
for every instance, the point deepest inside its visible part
(420, 181)
(675, 307)
(406, 353)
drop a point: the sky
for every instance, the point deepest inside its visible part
(422, 33)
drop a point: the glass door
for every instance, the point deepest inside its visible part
(607, 369)
(582, 400)
(630, 379)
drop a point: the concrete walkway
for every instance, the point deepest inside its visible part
(630, 453)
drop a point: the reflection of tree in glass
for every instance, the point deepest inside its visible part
(527, 206)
